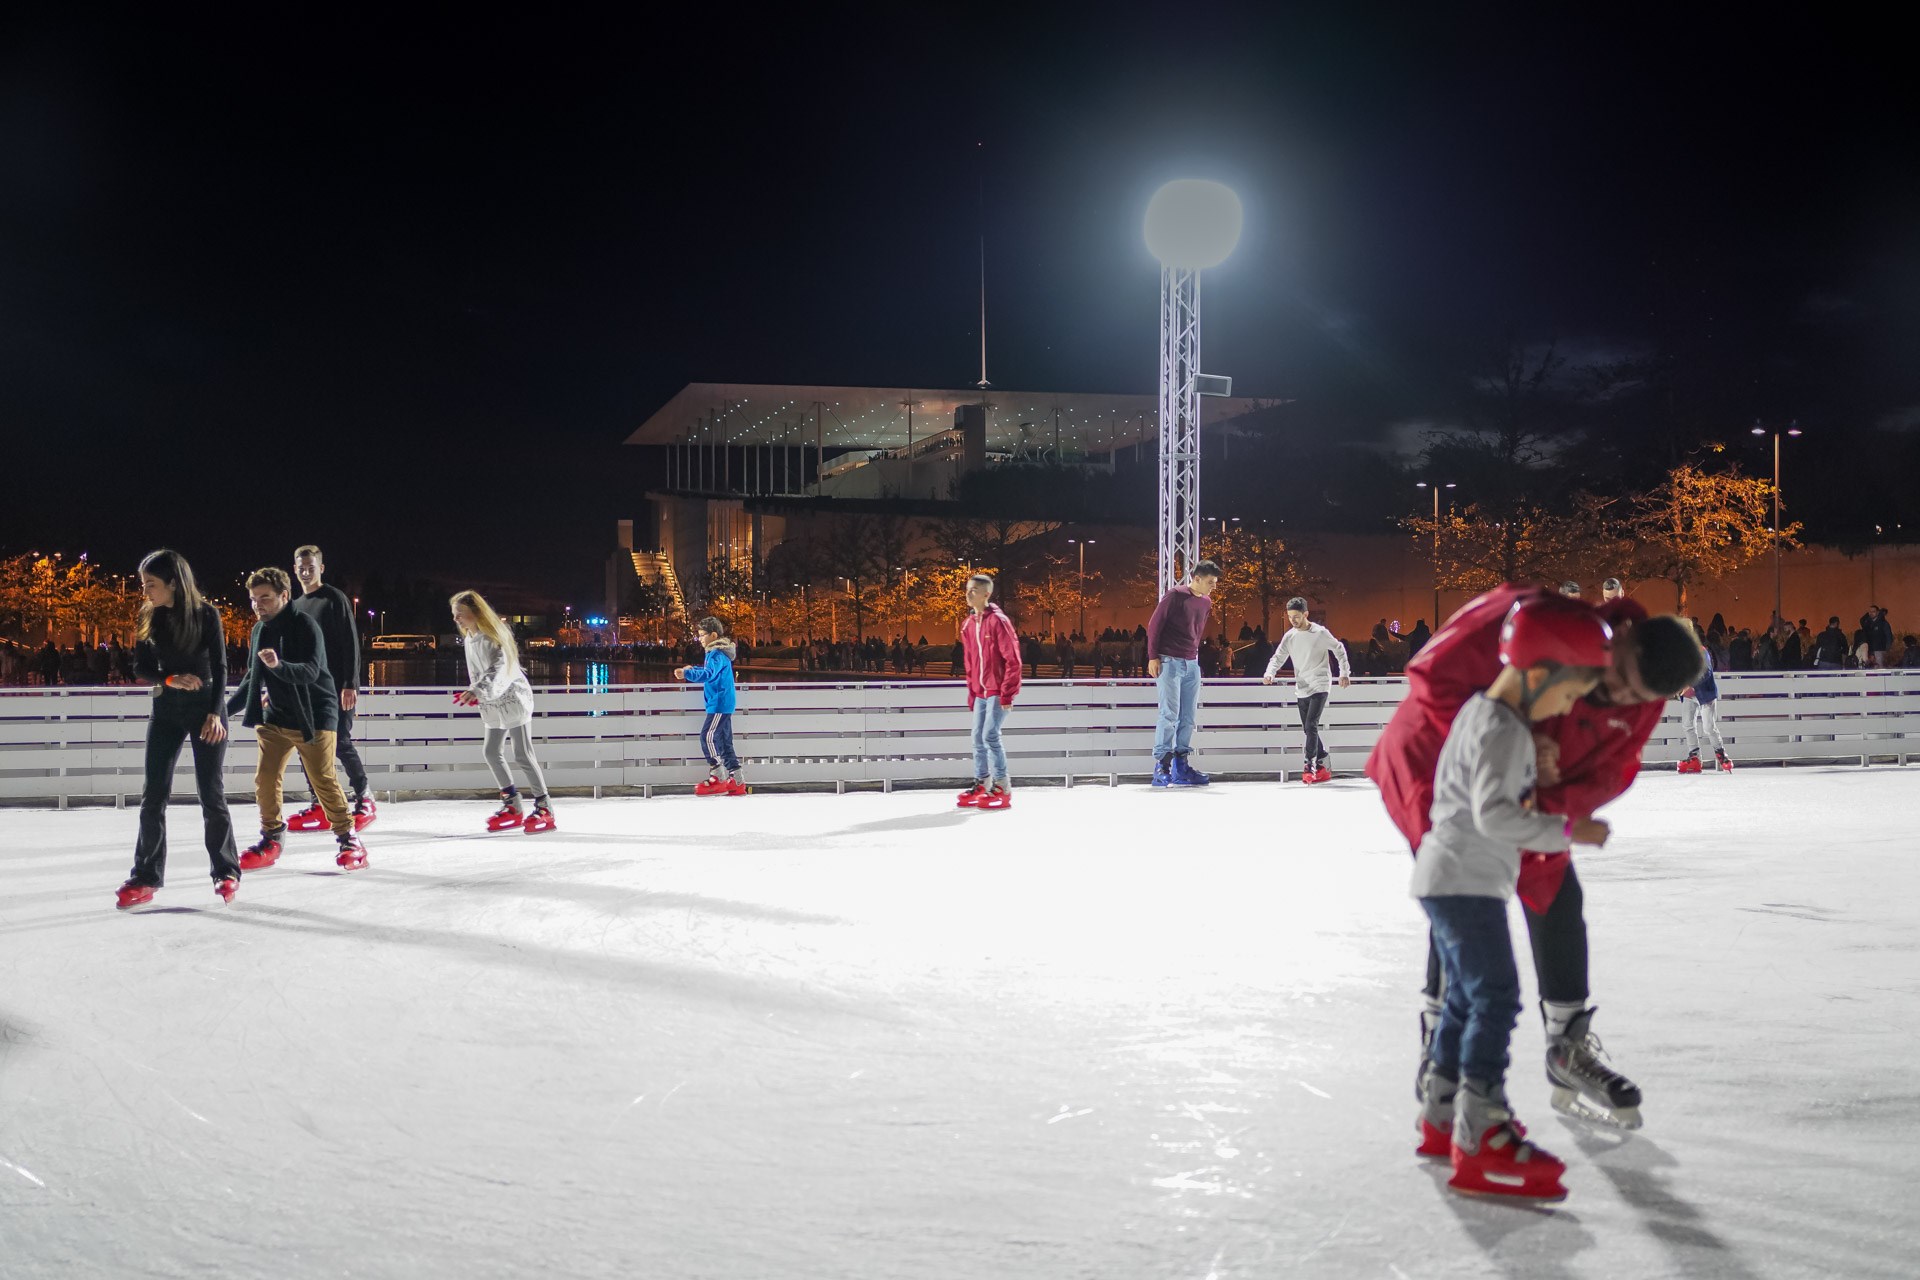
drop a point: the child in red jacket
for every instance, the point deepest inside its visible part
(992, 655)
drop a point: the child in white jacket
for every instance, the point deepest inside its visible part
(499, 688)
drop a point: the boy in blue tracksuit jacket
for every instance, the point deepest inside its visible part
(716, 735)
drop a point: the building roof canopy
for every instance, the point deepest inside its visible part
(743, 414)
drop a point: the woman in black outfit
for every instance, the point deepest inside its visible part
(183, 654)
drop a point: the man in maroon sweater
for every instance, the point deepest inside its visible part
(1174, 633)
(1587, 757)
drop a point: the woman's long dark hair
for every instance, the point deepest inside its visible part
(184, 618)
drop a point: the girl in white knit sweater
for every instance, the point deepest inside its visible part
(499, 688)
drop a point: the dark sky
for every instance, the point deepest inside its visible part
(402, 290)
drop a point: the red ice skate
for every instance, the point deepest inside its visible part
(1501, 1162)
(311, 818)
(735, 787)
(132, 894)
(263, 852)
(508, 816)
(1691, 764)
(715, 785)
(1720, 758)
(1311, 775)
(226, 888)
(1437, 1096)
(364, 812)
(541, 819)
(1323, 774)
(998, 798)
(352, 855)
(972, 796)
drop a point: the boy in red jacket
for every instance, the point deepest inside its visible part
(1587, 757)
(991, 649)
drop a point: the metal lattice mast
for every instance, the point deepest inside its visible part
(1179, 424)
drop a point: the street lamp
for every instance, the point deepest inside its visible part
(1080, 585)
(1191, 225)
(1761, 429)
(1436, 486)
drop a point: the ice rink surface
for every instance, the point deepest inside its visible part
(1108, 1033)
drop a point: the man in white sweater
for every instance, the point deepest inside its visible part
(1308, 644)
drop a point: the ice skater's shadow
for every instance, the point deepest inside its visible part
(912, 822)
(580, 967)
(1545, 1238)
(541, 880)
(1636, 1166)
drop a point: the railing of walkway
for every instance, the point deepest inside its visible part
(60, 745)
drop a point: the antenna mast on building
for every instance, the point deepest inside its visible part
(981, 178)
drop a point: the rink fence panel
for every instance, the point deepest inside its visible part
(60, 744)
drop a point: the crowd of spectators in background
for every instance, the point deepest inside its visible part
(1114, 653)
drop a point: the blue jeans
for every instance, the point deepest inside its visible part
(1483, 987)
(1179, 685)
(989, 757)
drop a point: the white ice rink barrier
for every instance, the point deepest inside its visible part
(64, 744)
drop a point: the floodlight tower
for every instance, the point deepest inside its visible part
(1192, 224)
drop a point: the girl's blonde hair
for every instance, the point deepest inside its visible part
(489, 622)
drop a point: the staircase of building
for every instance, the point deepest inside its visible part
(657, 566)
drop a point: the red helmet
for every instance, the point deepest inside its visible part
(1555, 629)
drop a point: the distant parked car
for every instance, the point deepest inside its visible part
(540, 642)
(404, 643)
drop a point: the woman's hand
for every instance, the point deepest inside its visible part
(187, 682)
(467, 698)
(213, 731)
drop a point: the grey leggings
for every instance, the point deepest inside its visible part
(1702, 720)
(522, 736)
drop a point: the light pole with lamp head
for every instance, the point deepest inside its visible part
(1080, 585)
(1191, 225)
(1436, 486)
(1761, 429)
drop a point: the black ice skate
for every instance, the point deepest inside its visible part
(1584, 1086)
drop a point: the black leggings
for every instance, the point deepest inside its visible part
(1559, 937)
(178, 718)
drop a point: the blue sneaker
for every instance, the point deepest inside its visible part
(1185, 775)
(1163, 772)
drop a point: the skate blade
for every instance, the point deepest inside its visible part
(1570, 1103)
(1536, 1193)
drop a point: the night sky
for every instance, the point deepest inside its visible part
(402, 290)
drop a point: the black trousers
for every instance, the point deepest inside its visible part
(1559, 937)
(1311, 707)
(346, 757)
(178, 718)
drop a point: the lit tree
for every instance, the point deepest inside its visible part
(867, 552)
(725, 590)
(1054, 590)
(649, 604)
(1477, 552)
(1257, 571)
(1016, 546)
(799, 609)
(1699, 526)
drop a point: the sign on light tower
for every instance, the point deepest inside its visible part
(1191, 225)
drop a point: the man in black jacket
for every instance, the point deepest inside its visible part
(1830, 646)
(330, 608)
(288, 699)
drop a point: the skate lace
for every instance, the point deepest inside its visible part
(1589, 1057)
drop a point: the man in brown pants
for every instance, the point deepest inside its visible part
(290, 701)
